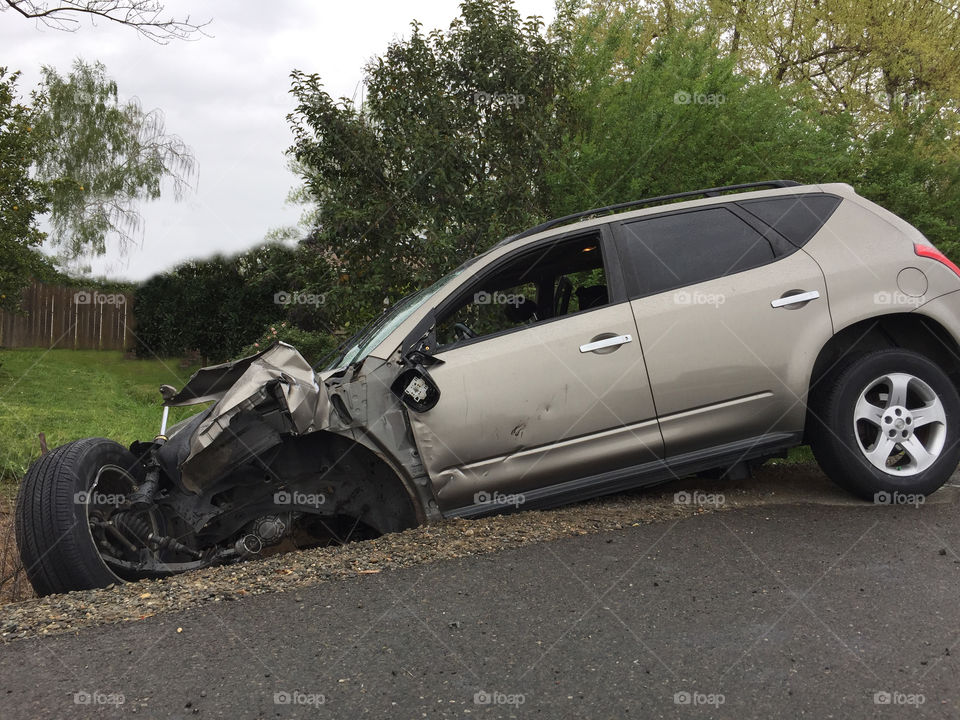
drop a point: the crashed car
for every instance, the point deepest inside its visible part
(703, 332)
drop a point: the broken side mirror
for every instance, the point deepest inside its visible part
(416, 389)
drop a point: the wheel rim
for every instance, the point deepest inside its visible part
(900, 424)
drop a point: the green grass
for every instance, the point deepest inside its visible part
(71, 394)
(801, 455)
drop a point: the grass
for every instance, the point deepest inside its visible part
(71, 394)
(801, 455)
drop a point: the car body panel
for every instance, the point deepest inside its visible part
(724, 364)
(527, 408)
(258, 400)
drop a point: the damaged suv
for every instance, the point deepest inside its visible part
(616, 348)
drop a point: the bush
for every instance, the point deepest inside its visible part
(214, 307)
(312, 345)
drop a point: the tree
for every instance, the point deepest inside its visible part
(22, 197)
(99, 157)
(445, 156)
(868, 57)
(144, 16)
(666, 111)
(813, 91)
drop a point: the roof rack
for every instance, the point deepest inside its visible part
(709, 192)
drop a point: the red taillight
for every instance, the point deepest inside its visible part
(931, 252)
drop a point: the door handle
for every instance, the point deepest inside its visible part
(608, 342)
(794, 298)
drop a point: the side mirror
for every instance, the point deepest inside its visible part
(416, 389)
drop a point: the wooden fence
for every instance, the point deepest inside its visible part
(73, 318)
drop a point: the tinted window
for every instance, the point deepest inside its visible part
(796, 217)
(686, 248)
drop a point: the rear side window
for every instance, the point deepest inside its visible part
(671, 251)
(796, 217)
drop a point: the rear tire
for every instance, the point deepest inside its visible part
(53, 533)
(887, 423)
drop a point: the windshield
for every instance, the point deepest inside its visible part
(361, 344)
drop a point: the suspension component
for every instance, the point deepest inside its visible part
(136, 526)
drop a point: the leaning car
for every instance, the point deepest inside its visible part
(620, 347)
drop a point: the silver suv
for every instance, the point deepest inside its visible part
(615, 348)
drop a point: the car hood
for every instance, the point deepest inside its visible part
(259, 399)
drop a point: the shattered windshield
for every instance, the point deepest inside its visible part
(361, 344)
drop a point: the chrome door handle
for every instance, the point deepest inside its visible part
(605, 343)
(794, 299)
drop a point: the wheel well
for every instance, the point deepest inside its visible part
(353, 474)
(907, 331)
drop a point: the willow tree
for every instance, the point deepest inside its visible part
(100, 157)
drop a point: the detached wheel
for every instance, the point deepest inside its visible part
(889, 422)
(62, 494)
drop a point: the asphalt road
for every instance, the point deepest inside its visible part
(772, 611)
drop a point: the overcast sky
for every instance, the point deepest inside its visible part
(227, 97)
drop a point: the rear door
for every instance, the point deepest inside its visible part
(731, 317)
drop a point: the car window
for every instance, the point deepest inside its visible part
(671, 251)
(796, 217)
(538, 284)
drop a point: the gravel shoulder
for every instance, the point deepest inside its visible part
(449, 540)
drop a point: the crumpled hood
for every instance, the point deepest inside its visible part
(259, 398)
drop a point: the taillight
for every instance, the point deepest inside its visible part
(928, 251)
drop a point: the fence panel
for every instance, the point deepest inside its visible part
(64, 317)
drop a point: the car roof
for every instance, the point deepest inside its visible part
(651, 206)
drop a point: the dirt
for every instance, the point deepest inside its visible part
(14, 586)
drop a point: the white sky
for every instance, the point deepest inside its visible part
(227, 97)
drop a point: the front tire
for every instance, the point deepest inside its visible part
(52, 522)
(887, 422)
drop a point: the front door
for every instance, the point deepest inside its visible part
(542, 380)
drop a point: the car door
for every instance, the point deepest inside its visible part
(731, 317)
(555, 397)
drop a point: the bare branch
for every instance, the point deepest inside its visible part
(142, 15)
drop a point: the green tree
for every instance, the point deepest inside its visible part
(813, 91)
(659, 112)
(446, 155)
(869, 57)
(100, 157)
(22, 197)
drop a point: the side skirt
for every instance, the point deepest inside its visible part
(644, 475)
